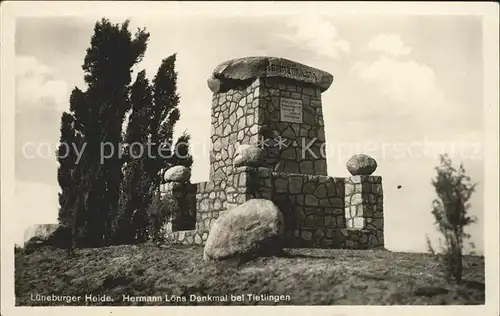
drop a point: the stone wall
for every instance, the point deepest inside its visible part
(234, 122)
(319, 211)
(210, 200)
(303, 140)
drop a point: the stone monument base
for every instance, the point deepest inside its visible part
(319, 211)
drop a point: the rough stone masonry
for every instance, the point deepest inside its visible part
(275, 104)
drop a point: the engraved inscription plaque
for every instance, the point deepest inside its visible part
(291, 110)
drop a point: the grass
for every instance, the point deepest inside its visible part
(307, 276)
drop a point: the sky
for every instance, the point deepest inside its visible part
(406, 88)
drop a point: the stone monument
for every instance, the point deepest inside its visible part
(272, 108)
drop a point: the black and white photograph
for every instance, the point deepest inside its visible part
(175, 154)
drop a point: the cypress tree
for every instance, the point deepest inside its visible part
(66, 158)
(98, 115)
(165, 115)
(154, 114)
(135, 187)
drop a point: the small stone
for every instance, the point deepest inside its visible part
(281, 185)
(329, 233)
(319, 233)
(356, 199)
(378, 223)
(340, 221)
(359, 222)
(336, 202)
(372, 241)
(350, 244)
(311, 200)
(320, 192)
(349, 223)
(312, 220)
(328, 221)
(377, 188)
(309, 187)
(306, 167)
(367, 211)
(349, 189)
(288, 153)
(324, 202)
(353, 210)
(249, 120)
(181, 235)
(361, 164)
(217, 204)
(307, 235)
(295, 185)
(309, 91)
(309, 119)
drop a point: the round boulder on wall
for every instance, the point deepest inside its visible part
(361, 165)
(177, 174)
(247, 155)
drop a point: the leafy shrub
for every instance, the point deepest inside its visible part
(160, 212)
(454, 189)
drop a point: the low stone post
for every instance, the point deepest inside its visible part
(183, 196)
(364, 203)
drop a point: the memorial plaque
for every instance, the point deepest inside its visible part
(291, 110)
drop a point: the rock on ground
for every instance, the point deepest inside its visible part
(177, 174)
(40, 231)
(361, 164)
(252, 229)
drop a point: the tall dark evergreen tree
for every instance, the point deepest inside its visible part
(66, 158)
(103, 194)
(153, 125)
(69, 174)
(99, 114)
(165, 115)
(135, 189)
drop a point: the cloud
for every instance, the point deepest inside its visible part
(390, 44)
(409, 83)
(37, 87)
(318, 35)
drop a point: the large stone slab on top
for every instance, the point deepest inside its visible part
(247, 68)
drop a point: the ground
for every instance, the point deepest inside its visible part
(302, 277)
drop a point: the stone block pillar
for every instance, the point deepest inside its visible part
(364, 206)
(273, 103)
(182, 200)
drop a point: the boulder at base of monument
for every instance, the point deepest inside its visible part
(361, 164)
(250, 230)
(177, 174)
(247, 155)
